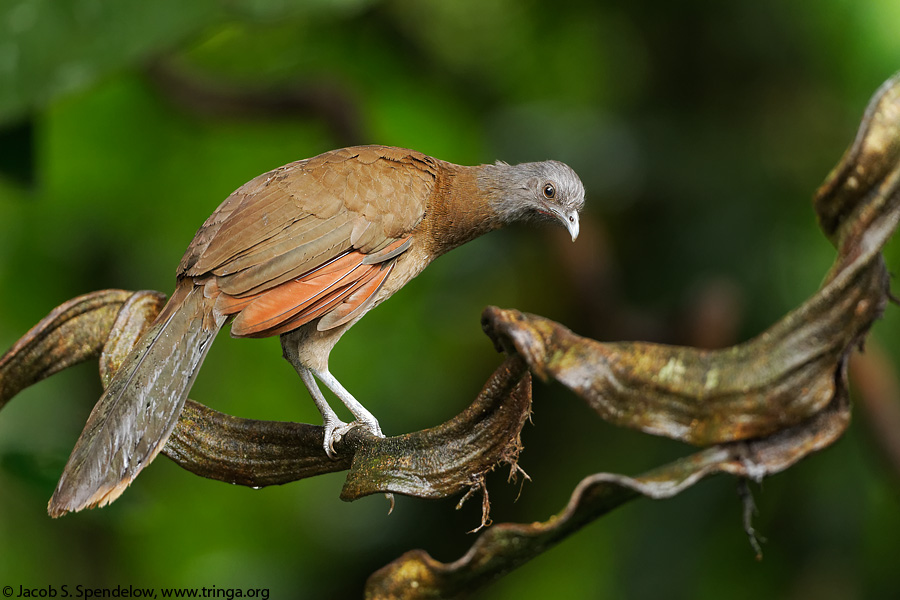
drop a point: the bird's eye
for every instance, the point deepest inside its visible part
(549, 191)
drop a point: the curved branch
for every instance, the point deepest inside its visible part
(766, 404)
(441, 461)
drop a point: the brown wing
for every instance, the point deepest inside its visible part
(337, 291)
(315, 238)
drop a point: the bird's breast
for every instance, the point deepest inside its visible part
(408, 265)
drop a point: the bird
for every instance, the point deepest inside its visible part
(303, 251)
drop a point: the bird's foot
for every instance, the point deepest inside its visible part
(336, 430)
(370, 423)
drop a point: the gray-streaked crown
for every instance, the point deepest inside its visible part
(539, 190)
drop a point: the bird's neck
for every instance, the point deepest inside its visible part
(462, 207)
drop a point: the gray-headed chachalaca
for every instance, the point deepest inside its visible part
(304, 252)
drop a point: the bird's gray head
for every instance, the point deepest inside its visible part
(539, 190)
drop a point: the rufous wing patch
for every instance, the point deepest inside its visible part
(271, 308)
(337, 291)
(356, 302)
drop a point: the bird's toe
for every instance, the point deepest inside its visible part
(334, 431)
(370, 424)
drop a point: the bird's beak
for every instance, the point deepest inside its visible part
(569, 219)
(571, 223)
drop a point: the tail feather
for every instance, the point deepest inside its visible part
(139, 409)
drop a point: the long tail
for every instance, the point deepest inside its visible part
(139, 409)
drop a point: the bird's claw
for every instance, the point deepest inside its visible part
(335, 431)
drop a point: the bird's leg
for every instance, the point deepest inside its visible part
(363, 416)
(334, 427)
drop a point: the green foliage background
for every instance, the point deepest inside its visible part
(701, 129)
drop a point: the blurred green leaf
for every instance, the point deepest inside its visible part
(52, 48)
